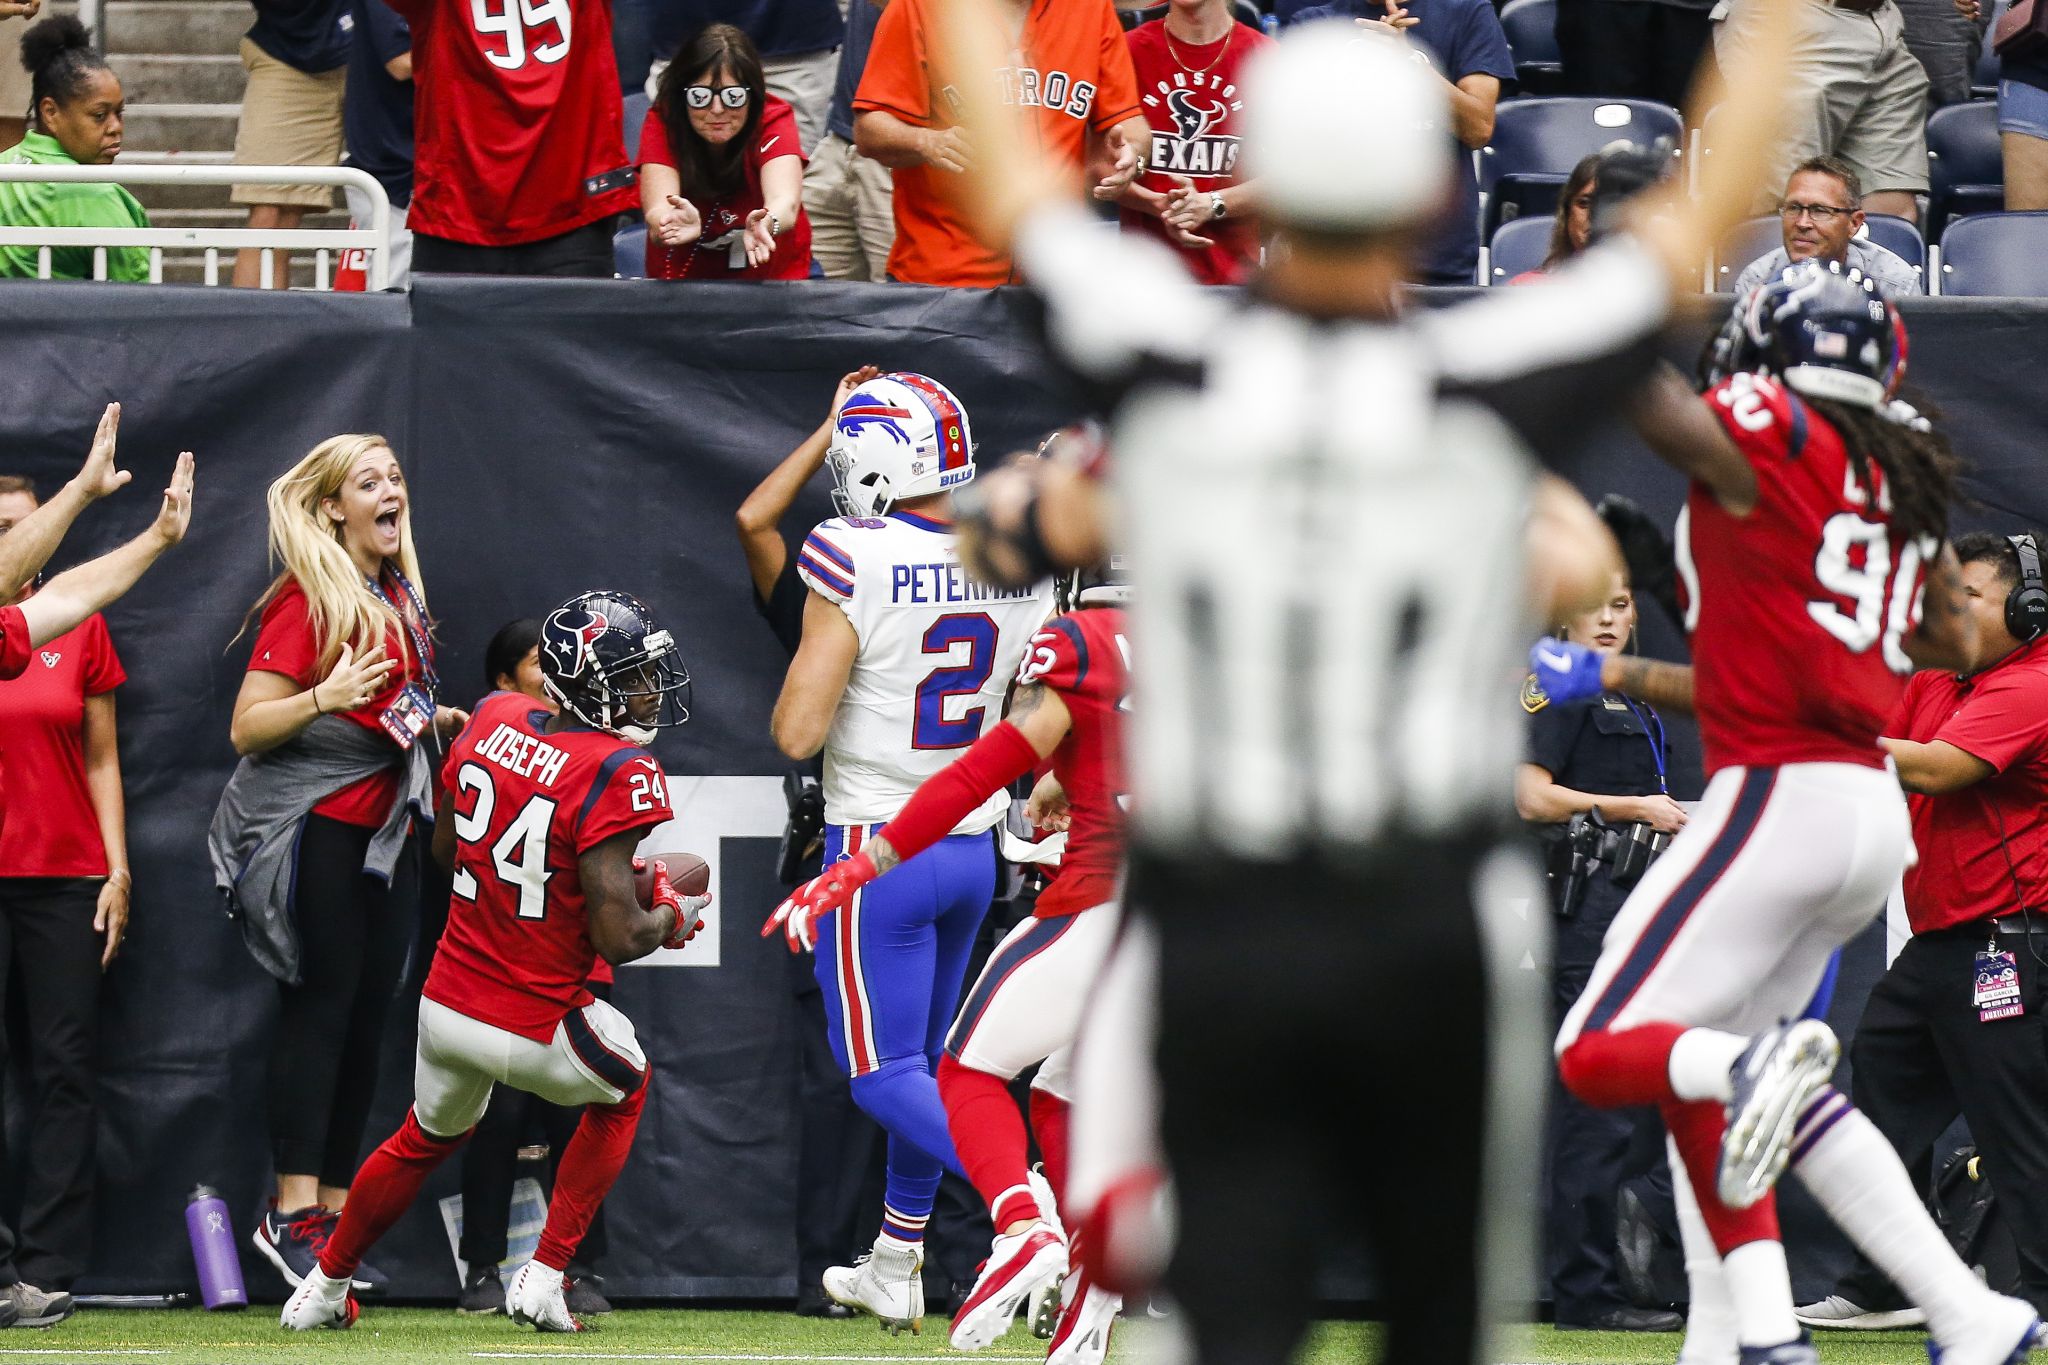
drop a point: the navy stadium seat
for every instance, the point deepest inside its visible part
(1746, 242)
(1518, 246)
(1532, 36)
(1996, 254)
(1965, 168)
(629, 252)
(1536, 142)
(1984, 76)
(637, 105)
(1897, 236)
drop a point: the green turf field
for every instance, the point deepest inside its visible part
(439, 1337)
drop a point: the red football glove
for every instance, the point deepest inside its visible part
(830, 890)
(689, 909)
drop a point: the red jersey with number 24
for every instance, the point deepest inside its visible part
(526, 806)
(1797, 611)
(1084, 656)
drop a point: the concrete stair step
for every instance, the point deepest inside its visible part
(180, 79)
(182, 127)
(160, 198)
(198, 27)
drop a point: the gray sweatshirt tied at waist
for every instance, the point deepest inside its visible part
(254, 840)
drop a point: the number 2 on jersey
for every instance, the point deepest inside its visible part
(520, 855)
(930, 728)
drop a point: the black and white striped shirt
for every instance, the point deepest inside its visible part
(1326, 522)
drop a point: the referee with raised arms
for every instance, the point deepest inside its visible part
(1325, 499)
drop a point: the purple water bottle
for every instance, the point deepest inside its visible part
(213, 1250)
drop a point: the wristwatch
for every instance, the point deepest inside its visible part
(1216, 209)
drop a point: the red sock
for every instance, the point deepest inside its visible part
(1049, 1118)
(988, 1133)
(590, 1166)
(1628, 1067)
(385, 1188)
(1696, 1127)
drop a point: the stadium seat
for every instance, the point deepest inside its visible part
(1984, 77)
(1965, 169)
(1996, 254)
(1246, 12)
(1532, 35)
(636, 114)
(1536, 142)
(1518, 247)
(629, 252)
(1899, 237)
(1746, 242)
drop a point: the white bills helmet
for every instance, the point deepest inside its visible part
(899, 436)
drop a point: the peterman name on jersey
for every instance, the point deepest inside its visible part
(1798, 611)
(937, 652)
(1085, 657)
(526, 805)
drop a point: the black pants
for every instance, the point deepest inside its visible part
(1921, 1057)
(1630, 49)
(353, 936)
(50, 959)
(580, 253)
(1324, 1045)
(490, 1165)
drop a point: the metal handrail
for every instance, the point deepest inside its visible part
(373, 241)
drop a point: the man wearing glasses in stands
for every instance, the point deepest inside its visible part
(1821, 217)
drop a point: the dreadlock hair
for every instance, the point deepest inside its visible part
(1919, 467)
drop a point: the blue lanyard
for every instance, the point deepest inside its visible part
(414, 621)
(1653, 731)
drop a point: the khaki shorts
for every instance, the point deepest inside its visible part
(14, 82)
(288, 119)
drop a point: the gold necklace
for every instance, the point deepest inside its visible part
(1168, 34)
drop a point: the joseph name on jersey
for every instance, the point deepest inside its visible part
(526, 806)
(937, 652)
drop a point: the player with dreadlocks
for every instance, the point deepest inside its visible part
(1817, 512)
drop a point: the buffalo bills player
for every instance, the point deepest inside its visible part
(540, 813)
(1818, 511)
(903, 663)
(1026, 1006)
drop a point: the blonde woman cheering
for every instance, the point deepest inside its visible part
(312, 844)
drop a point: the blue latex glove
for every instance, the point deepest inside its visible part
(1566, 672)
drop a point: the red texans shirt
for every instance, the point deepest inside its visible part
(1083, 656)
(1965, 837)
(526, 806)
(518, 130)
(53, 831)
(1798, 610)
(14, 655)
(1190, 96)
(725, 220)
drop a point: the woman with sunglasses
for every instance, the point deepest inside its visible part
(722, 169)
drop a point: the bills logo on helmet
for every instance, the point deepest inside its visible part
(1197, 109)
(863, 411)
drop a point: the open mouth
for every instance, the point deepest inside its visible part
(387, 523)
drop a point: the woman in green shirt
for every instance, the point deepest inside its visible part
(77, 108)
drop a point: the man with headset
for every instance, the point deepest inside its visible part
(1956, 1025)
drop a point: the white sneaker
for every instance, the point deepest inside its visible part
(1846, 1315)
(1018, 1266)
(2002, 1334)
(1085, 1323)
(536, 1298)
(319, 1302)
(887, 1282)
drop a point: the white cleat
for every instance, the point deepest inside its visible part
(1018, 1266)
(2002, 1334)
(888, 1283)
(536, 1299)
(1086, 1319)
(1042, 1313)
(319, 1302)
(1773, 1079)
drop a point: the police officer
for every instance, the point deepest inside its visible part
(1594, 788)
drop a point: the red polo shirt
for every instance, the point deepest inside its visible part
(2000, 716)
(54, 831)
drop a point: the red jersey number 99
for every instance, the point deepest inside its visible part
(536, 30)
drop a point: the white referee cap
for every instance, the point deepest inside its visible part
(1345, 130)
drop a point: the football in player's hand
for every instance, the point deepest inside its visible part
(688, 873)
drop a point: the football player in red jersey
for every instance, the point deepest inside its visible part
(1818, 512)
(540, 813)
(1072, 692)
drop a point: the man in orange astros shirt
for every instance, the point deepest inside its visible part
(1070, 66)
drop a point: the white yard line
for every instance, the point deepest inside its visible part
(692, 1355)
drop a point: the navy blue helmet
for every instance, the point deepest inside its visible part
(1822, 330)
(601, 653)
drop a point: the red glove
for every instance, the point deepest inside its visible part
(689, 909)
(830, 890)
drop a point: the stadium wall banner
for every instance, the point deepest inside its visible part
(558, 436)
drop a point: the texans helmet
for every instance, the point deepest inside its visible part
(899, 436)
(599, 651)
(1823, 330)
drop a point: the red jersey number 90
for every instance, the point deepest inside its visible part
(531, 29)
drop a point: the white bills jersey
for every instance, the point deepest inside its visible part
(937, 654)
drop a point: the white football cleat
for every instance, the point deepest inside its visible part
(2003, 1334)
(1042, 1313)
(888, 1282)
(1088, 1314)
(1018, 1266)
(1771, 1082)
(320, 1302)
(536, 1298)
